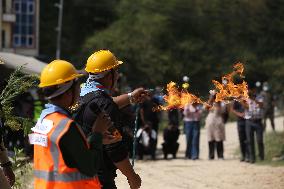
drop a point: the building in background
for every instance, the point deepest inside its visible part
(19, 25)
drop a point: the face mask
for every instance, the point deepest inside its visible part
(265, 88)
(224, 82)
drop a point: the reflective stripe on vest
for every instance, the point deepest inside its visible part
(53, 148)
(55, 175)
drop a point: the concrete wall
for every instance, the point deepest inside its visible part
(7, 27)
(9, 6)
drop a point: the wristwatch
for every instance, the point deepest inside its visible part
(131, 99)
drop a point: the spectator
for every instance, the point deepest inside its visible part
(253, 116)
(268, 106)
(170, 145)
(173, 116)
(148, 115)
(146, 137)
(192, 115)
(215, 128)
(238, 109)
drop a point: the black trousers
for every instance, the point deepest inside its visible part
(254, 127)
(243, 139)
(108, 184)
(170, 148)
(142, 150)
(216, 146)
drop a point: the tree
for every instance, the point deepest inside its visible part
(160, 41)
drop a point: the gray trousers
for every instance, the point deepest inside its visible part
(255, 127)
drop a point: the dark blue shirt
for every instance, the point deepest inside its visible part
(237, 106)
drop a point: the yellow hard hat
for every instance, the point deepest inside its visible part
(101, 61)
(185, 85)
(58, 72)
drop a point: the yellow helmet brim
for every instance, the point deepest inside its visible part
(60, 81)
(96, 71)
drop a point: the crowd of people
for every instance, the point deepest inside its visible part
(251, 116)
(86, 131)
(251, 120)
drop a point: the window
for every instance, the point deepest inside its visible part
(23, 40)
(24, 32)
(31, 19)
(30, 30)
(17, 29)
(30, 41)
(24, 6)
(17, 7)
(16, 40)
(30, 7)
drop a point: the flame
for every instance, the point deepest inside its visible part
(225, 92)
(177, 98)
(230, 90)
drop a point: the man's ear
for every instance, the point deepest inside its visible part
(109, 76)
(69, 92)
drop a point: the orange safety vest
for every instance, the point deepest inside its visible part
(50, 170)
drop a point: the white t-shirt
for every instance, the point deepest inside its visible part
(192, 113)
(145, 138)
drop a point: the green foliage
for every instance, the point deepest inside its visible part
(80, 19)
(22, 169)
(275, 144)
(18, 83)
(163, 40)
(274, 148)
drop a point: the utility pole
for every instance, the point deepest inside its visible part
(59, 28)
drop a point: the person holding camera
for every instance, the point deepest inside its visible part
(147, 138)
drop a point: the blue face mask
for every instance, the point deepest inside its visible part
(92, 86)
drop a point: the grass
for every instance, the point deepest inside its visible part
(274, 147)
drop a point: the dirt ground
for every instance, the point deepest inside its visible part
(204, 174)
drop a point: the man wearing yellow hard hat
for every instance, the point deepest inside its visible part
(63, 157)
(102, 67)
(7, 177)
